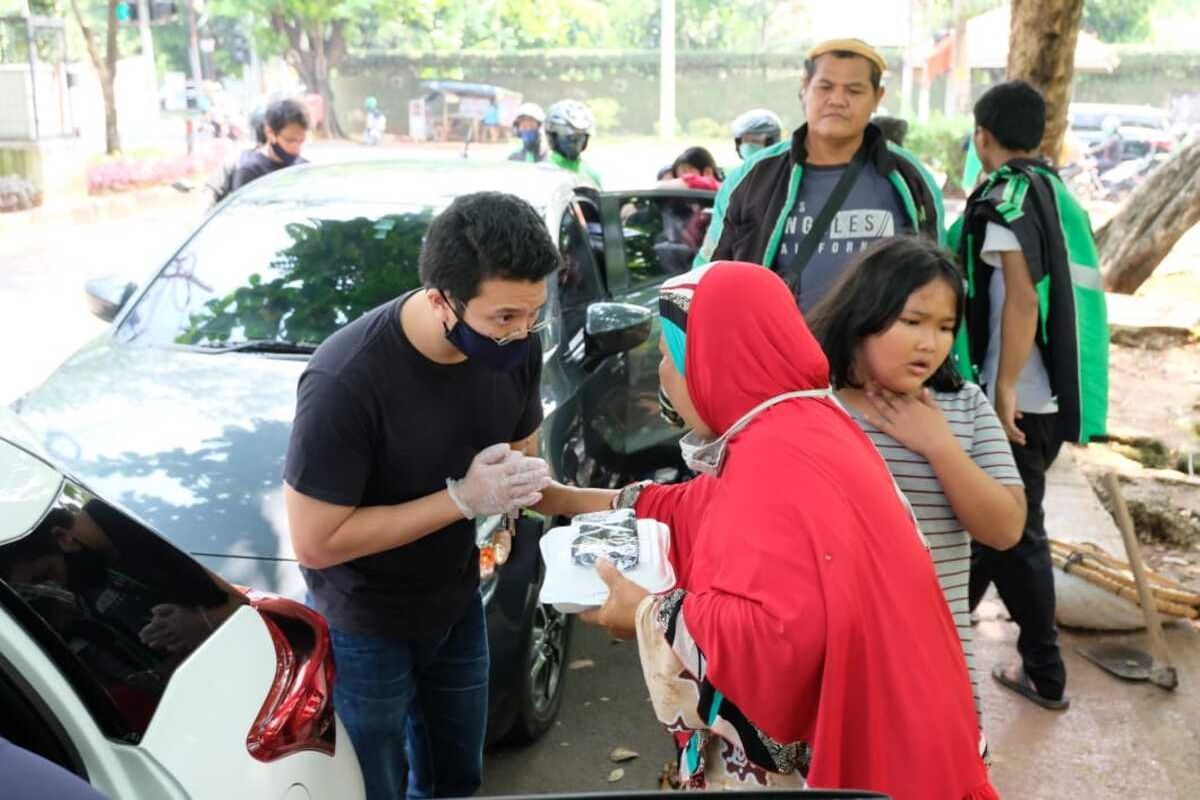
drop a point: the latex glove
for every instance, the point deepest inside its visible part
(499, 481)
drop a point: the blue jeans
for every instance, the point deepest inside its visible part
(417, 707)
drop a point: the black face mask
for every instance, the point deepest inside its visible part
(484, 349)
(86, 569)
(571, 147)
(283, 155)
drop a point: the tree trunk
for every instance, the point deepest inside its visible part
(106, 70)
(1041, 50)
(1150, 221)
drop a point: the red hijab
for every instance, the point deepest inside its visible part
(809, 590)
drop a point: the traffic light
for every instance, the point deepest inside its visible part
(127, 11)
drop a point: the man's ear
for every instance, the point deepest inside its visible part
(879, 93)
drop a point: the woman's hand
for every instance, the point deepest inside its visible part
(915, 422)
(619, 612)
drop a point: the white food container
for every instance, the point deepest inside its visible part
(571, 588)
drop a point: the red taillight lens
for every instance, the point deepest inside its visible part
(298, 712)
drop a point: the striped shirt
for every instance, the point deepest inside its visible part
(977, 429)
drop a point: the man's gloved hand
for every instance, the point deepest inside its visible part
(499, 481)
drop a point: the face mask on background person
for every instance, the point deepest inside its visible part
(747, 149)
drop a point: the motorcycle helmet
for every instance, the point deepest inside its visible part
(569, 125)
(761, 124)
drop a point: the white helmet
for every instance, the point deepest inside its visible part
(570, 117)
(531, 110)
(761, 121)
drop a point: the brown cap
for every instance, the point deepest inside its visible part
(856, 46)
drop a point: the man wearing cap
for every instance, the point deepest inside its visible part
(806, 207)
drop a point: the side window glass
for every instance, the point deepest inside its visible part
(114, 605)
(662, 235)
(578, 279)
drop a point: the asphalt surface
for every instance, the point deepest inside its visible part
(605, 706)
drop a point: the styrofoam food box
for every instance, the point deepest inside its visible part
(571, 588)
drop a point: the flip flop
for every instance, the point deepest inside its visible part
(1025, 688)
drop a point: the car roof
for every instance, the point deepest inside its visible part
(428, 183)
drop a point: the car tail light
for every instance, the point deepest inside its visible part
(298, 712)
(1163, 146)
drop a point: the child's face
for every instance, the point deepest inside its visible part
(906, 354)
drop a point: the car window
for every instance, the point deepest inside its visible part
(578, 279)
(280, 272)
(115, 606)
(661, 235)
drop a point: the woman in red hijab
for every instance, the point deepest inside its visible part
(806, 633)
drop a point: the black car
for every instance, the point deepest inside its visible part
(181, 410)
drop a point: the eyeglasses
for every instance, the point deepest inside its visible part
(459, 308)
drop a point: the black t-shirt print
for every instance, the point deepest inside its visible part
(377, 423)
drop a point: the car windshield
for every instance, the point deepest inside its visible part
(280, 276)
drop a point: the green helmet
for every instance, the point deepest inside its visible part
(371, 103)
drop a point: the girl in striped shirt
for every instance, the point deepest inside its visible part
(887, 329)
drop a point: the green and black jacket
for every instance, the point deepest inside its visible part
(1055, 235)
(754, 202)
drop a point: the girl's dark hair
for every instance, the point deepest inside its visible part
(870, 296)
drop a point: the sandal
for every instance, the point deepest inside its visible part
(1025, 688)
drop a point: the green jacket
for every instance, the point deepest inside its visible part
(752, 207)
(1056, 240)
(558, 160)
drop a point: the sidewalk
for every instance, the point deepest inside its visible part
(82, 209)
(1118, 740)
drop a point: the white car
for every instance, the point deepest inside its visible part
(127, 663)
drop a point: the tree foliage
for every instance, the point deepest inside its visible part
(1118, 20)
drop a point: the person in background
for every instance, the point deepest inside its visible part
(376, 122)
(527, 126)
(695, 168)
(805, 634)
(220, 184)
(894, 129)
(1108, 151)
(491, 122)
(754, 130)
(569, 127)
(285, 124)
(804, 208)
(1036, 339)
(887, 329)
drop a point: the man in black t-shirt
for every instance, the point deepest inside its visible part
(410, 422)
(286, 127)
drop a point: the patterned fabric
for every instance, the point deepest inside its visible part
(674, 304)
(718, 748)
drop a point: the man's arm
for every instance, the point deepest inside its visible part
(559, 500)
(1018, 327)
(324, 534)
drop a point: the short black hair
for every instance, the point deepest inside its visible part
(810, 66)
(698, 157)
(870, 296)
(286, 112)
(1015, 113)
(482, 236)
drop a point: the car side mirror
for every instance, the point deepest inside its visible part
(107, 295)
(612, 328)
